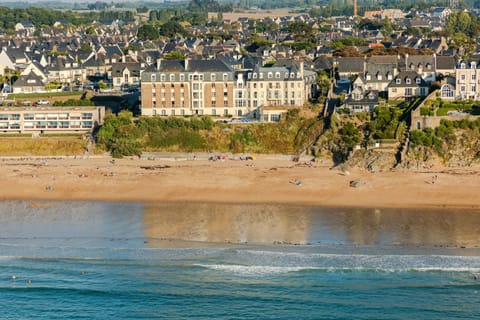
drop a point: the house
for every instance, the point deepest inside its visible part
(407, 85)
(361, 100)
(25, 26)
(441, 13)
(28, 83)
(467, 74)
(348, 67)
(422, 64)
(125, 74)
(6, 62)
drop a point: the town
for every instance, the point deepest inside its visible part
(386, 79)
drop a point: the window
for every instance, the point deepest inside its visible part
(270, 75)
(462, 77)
(408, 81)
(412, 66)
(474, 77)
(213, 77)
(473, 89)
(172, 77)
(182, 77)
(418, 81)
(462, 65)
(277, 75)
(397, 81)
(162, 77)
(368, 77)
(153, 78)
(447, 91)
(408, 92)
(225, 77)
(429, 66)
(379, 77)
(462, 88)
(389, 76)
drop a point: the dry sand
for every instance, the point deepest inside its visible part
(265, 180)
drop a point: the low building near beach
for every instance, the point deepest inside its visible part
(50, 119)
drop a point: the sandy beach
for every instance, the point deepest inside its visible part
(265, 180)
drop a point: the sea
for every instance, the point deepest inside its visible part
(115, 260)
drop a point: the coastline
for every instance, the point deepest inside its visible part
(266, 180)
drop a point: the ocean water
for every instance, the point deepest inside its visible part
(92, 260)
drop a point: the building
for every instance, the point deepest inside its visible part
(361, 101)
(125, 74)
(407, 85)
(211, 87)
(189, 87)
(50, 119)
(468, 80)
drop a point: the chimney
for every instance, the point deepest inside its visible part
(301, 68)
(159, 62)
(186, 63)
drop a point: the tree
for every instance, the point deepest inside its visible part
(147, 32)
(174, 55)
(171, 28)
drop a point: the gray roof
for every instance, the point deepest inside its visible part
(403, 78)
(350, 65)
(193, 66)
(29, 80)
(118, 68)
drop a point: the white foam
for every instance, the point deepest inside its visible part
(252, 270)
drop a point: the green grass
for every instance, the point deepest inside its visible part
(43, 95)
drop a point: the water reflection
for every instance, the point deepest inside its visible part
(227, 223)
(301, 225)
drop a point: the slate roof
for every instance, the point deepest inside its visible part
(118, 68)
(403, 76)
(350, 65)
(28, 80)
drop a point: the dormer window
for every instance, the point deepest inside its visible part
(182, 77)
(397, 81)
(412, 66)
(286, 75)
(472, 65)
(379, 77)
(368, 77)
(225, 77)
(462, 65)
(172, 77)
(213, 77)
(371, 96)
(429, 66)
(419, 66)
(153, 77)
(254, 75)
(389, 76)
(408, 81)
(260, 75)
(418, 80)
(292, 75)
(277, 75)
(298, 75)
(270, 75)
(162, 77)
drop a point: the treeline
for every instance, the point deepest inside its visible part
(41, 16)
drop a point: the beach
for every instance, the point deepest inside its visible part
(265, 180)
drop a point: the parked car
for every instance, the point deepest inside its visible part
(43, 102)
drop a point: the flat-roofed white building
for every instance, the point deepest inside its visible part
(50, 119)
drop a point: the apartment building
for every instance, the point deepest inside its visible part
(467, 76)
(211, 87)
(189, 87)
(50, 119)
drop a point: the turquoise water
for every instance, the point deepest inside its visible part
(88, 260)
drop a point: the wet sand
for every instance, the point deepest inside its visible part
(266, 180)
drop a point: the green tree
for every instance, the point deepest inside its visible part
(174, 55)
(147, 32)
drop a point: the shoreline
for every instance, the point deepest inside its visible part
(265, 181)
